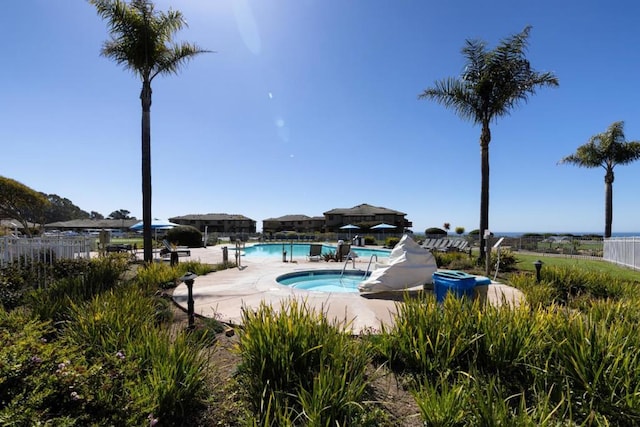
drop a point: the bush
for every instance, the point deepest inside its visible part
(369, 240)
(185, 235)
(391, 242)
(434, 232)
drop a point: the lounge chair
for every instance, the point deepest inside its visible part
(315, 252)
(169, 249)
(344, 251)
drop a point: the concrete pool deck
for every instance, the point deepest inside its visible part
(224, 294)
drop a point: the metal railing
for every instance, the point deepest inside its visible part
(44, 249)
(623, 250)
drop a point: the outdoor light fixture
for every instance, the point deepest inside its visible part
(538, 266)
(188, 279)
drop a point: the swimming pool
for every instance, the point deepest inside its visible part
(323, 280)
(301, 250)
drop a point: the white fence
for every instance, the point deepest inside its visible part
(45, 249)
(623, 250)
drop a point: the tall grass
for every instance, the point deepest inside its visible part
(162, 275)
(599, 363)
(81, 282)
(151, 372)
(297, 365)
(568, 356)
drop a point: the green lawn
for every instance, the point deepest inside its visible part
(525, 262)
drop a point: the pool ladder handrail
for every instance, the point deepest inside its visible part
(349, 258)
(369, 265)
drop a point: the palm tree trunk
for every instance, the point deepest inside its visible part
(145, 97)
(485, 138)
(608, 202)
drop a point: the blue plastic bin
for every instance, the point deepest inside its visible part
(459, 283)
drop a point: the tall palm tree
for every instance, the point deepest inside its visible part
(142, 42)
(606, 149)
(492, 84)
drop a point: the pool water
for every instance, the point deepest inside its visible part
(323, 280)
(301, 250)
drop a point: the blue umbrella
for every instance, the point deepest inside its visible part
(383, 227)
(156, 224)
(349, 227)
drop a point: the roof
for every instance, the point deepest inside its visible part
(363, 209)
(93, 223)
(211, 217)
(294, 217)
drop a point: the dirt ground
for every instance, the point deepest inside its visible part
(223, 409)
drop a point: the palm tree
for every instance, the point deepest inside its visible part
(491, 85)
(142, 41)
(606, 149)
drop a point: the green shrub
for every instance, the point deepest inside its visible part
(453, 260)
(507, 260)
(42, 381)
(370, 240)
(185, 235)
(435, 232)
(12, 286)
(391, 242)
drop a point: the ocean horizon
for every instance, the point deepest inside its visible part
(560, 233)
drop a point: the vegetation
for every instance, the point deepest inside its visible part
(391, 241)
(493, 83)
(435, 231)
(298, 368)
(185, 235)
(94, 345)
(606, 150)
(142, 40)
(19, 202)
(93, 348)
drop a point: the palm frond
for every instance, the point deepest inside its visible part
(493, 82)
(176, 57)
(455, 94)
(141, 38)
(606, 149)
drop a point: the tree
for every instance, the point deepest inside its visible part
(22, 203)
(492, 84)
(459, 231)
(61, 209)
(96, 215)
(607, 150)
(142, 42)
(120, 214)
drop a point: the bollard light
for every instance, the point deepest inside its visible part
(188, 279)
(538, 266)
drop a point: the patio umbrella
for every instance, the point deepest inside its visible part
(156, 224)
(349, 227)
(383, 227)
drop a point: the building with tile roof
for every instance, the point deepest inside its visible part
(217, 223)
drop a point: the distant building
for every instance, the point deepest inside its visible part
(365, 216)
(297, 223)
(217, 222)
(87, 225)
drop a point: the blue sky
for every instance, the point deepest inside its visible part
(310, 105)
